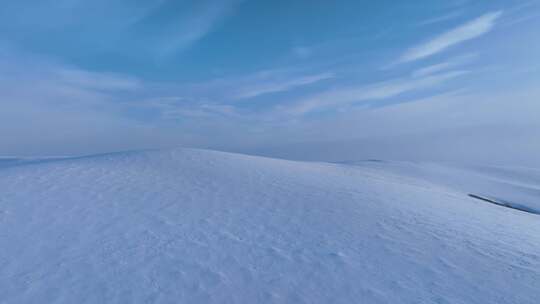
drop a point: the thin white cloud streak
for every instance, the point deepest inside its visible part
(266, 87)
(197, 24)
(442, 66)
(432, 69)
(378, 91)
(519, 20)
(175, 108)
(253, 85)
(458, 35)
(442, 18)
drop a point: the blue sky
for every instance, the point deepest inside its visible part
(305, 79)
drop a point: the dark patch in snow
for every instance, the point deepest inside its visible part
(505, 204)
(359, 162)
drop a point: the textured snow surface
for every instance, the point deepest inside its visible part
(193, 226)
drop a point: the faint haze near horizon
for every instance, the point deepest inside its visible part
(454, 81)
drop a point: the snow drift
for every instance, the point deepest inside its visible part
(194, 226)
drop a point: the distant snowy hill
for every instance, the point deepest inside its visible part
(195, 226)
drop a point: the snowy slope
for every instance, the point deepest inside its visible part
(516, 186)
(193, 226)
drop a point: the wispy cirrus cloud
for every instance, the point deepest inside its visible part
(174, 108)
(443, 66)
(201, 19)
(432, 69)
(378, 91)
(254, 85)
(280, 85)
(458, 35)
(441, 18)
(525, 11)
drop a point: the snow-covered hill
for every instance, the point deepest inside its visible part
(193, 226)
